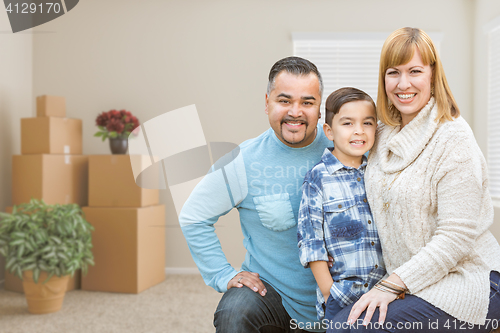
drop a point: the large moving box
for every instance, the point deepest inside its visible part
(112, 183)
(51, 135)
(128, 248)
(50, 106)
(59, 179)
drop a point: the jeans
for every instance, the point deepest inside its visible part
(331, 309)
(413, 314)
(241, 310)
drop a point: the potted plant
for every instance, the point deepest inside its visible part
(117, 126)
(43, 245)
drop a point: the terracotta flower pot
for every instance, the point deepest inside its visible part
(44, 297)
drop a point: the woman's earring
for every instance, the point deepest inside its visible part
(432, 90)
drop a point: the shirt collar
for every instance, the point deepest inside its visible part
(333, 165)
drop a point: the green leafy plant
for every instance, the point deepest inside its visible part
(52, 238)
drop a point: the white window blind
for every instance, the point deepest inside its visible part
(345, 59)
(494, 109)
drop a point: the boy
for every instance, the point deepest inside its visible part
(334, 216)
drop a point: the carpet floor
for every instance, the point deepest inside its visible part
(180, 304)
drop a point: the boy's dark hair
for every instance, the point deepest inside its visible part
(293, 65)
(342, 96)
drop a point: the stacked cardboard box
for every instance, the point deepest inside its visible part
(129, 235)
(50, 166)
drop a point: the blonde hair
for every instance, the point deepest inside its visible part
(399, 49)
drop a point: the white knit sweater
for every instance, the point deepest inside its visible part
(428, 191)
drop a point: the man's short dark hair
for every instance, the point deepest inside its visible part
(293, 65)
(342, 96)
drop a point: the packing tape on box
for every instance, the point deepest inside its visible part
(170, 150)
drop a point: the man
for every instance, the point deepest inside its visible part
(272, 292)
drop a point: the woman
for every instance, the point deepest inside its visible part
(427, 186)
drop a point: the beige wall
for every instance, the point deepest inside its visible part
(15, 102)
(154, 56)
(485, 12)
(151, 57)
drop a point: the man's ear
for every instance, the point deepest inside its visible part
(328, 131)
(267, 103)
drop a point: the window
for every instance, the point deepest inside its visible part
(493, 31)
(345, 59)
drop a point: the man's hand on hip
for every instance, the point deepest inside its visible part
(249, 279)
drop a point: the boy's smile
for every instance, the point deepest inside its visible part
(352, 132)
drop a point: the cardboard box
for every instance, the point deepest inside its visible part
(13, 283)
(50, 106)
(128, 248)
(51, 135)
(112, 183)
(59, 179)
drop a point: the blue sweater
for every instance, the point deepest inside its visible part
(263, 180)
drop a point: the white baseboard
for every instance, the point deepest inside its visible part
(181, 270)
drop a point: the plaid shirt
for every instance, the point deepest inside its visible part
(335, 220)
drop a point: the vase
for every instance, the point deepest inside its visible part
(118, 145)
(44, 297)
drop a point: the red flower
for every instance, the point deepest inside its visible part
(115, 125)
(115, 114)
(135, 121)
(125, 113)
(120, 122)
(102, 119)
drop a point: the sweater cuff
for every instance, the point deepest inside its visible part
(224, 278)
(417, 275)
